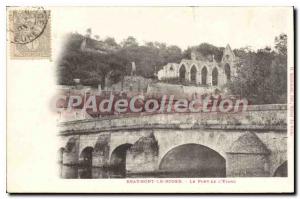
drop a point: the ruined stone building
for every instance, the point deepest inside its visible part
(200, 70)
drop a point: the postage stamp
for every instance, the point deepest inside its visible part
(30, 35)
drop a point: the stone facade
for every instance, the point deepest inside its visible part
(130, 84)
(249, 144)
(201, 70)
(254, 155)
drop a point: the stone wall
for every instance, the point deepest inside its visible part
(266, 117)
(130, 84)
(152, 137)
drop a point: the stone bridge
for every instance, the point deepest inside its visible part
(250, 143)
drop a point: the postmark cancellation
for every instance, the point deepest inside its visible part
(29, 33)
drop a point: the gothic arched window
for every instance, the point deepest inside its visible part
(215, 77)
(204, 76)
(193, 74)
(182, 72)
(227, 72)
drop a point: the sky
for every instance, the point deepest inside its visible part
(181, 26)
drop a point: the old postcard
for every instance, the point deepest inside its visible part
(29, 33)
(150, 100)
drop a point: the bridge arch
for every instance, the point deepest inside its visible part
(194, 160)
(86, 156)
(118, 159)
(86, 163)
(281, 171)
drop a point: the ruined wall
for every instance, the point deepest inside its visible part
(130, 84)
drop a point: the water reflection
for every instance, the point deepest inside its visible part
(86, 172)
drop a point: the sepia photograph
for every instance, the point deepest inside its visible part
(154, 109)
(150, 99)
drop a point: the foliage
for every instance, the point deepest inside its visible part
(262, 75)
(281, 44)
(94, 68)
(206, 49)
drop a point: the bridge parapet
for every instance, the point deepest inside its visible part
(262, 117)
(249, 143)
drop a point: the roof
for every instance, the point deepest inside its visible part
(249, 143)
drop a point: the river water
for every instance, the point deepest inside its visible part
(72, 172)
(86, 172)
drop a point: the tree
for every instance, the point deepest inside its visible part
(281, 44)
(205, 49)
(262, 76)
(94, 67)
(110, 41)
(130, 42)
(174, 54)
(91, 67)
